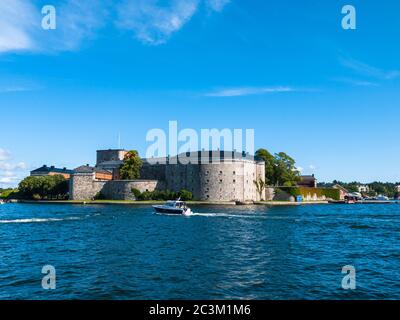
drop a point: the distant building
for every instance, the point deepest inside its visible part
(343, 191)
(397, 188)
(307, 181)
(98, 173)
(209, 175)
(363, 188)
(51, 171)
(111, 160)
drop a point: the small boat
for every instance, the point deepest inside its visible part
(173, 207)
(382, 198)
(2, 202)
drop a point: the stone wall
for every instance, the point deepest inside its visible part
(86, 187)
(223, 181)
(83, 186)
(122, 189)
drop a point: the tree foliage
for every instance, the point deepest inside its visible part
(130, 169)
(280, 168)
(165, 195)
(44, 187)
(260, 186)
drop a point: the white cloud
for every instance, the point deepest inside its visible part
(10, 173)
(17, 22)
(153, 23)
(312, 167)
(20, 25)
(10, 166)
(217, 5)
(8, 180)
(77, 21)
(300, 169)
(368, 70)
(247, 91)
(4, 155)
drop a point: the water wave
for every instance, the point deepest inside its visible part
(39, 220)
(226, 215)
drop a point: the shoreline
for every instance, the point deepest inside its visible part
(195, 203)
(141, 203)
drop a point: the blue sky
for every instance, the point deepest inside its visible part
(328, 97)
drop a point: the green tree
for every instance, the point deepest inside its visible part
(185, 195)
(44, 187)
(260, 186)
(280, 169)
(285, 173)
(269, 160)
(130, 169)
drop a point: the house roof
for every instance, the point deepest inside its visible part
(308, 178)
(48, 169)
(89, 169)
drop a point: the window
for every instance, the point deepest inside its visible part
(220, 181)
(234, 172)
(234, 181)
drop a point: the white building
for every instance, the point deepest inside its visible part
(363, 188)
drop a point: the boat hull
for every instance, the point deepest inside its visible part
(168, 210)
(172, 211)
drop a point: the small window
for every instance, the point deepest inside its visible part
(220, 172)
(234, 181)
(220, 181)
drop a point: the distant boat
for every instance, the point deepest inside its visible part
(382, 198)
(173, 207)
(2, 202)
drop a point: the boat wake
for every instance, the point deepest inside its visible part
(39, 220)
(225, 215)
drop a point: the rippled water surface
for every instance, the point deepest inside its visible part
(128, 252)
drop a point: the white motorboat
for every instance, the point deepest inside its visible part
(173, 207)
(2, 202)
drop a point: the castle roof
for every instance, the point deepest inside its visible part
(211, 156)
(89, 169)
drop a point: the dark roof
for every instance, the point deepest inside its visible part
(89, 169)
(48, 169)
(214, 156)
(308, 178)
(111, 150)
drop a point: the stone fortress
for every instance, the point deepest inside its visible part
(209, 175)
